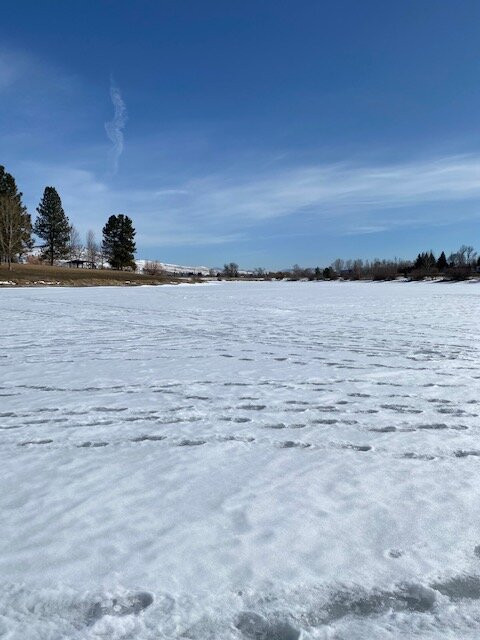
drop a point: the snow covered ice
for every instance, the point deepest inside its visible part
(240, 461)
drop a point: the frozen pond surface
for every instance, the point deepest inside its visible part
(240, 461)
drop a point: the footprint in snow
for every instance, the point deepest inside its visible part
(256, 627)
(122, 606)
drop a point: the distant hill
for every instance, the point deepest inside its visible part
(176, 269)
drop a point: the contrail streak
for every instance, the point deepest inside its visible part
(115, 127)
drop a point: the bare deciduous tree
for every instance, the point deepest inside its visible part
(15, 228)
(153, 268)
(230, 270)
(338, 265)
(297, 272)
(470, 254)
(91, 248)
(75, 248)
(357, 267)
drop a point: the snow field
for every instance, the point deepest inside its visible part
(261, 461)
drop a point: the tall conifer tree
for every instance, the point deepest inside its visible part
(52, 226)
(442, 261)
(119, 242)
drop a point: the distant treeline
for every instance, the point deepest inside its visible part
(60, 239)
(461, 265)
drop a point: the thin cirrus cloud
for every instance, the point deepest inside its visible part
(18, 68)
(114, 128)
(25, 78)
(9, 69)
(337, 191)
(172, 237)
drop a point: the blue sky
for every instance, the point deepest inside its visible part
(262, 132)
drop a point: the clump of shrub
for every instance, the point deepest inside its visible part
(423, 273)
(458, 273)
(153, 268)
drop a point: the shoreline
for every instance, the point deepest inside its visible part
(71, 284)
(46, 276)
(40, 275)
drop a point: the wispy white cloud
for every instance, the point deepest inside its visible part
(115, 127)
(224, 208)
(9, 69)
(336, 190)
(18, 68)
(88, 201)
(171, 237)
(32, 77)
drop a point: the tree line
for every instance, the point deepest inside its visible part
(459, 265)
(61, 240)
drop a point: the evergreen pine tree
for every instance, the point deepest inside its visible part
(52, 226)
(329, 273)
(419, 262)
(118, 242)
(15, 222)
(442, 262)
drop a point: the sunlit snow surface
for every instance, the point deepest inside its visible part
(250, 461)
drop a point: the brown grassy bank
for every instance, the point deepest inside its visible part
(29, 275)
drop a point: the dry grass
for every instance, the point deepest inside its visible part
(29, 275)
